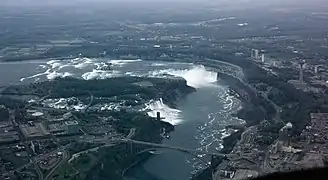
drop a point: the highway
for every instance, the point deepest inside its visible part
(90, 103)
(61, 162)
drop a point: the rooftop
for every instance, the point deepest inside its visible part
(38, 130)
(9, 137)
(68, 123)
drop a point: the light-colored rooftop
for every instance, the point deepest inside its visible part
(37, 114)
(68, 123)
(244, 174)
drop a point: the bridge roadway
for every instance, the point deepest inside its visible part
(172, 147)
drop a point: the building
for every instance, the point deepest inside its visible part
(35, 146)
(263, 58)
(73, 127)
(7, 133)
(302, 65)
(255, 54)
(9, 137)
(57, 128)
(33, 130)
(158, 117)
(4, 113)
(67, 116)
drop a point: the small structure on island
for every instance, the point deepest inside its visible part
(284, 134)
(158, 116)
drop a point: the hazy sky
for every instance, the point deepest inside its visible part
(26, 2)
(236, 3)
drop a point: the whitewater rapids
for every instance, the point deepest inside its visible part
(168, 114)
(196, 76)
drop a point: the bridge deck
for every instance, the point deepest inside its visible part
(172, 147)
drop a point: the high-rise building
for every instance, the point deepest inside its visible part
(256, 52)
(72, 127)
(263, 58)
(316, 69)
(253, 53)
(302, 63)
(158, 117)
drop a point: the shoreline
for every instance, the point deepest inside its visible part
(249, 97)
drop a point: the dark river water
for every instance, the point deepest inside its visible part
(199, 120)
(205, 114)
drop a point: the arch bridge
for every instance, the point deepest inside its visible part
(155, 146)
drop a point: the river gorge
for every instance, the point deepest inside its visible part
(199, 119)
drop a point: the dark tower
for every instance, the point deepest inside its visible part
(158, 117)
(218, 76)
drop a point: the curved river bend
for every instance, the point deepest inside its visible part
(200, 118)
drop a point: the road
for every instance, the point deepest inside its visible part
(76, 155)
(90, 103)
(246, 139)
(42, 156)
(131, 133)
(266, 168)
(108, 140)
(61, 162)
(38, 170)
(12, 118)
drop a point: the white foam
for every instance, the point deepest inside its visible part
(158, 64)
(42, 66)
(54, 74)
(196, 77)
(83, 65)
(52, 61)
(99, 74)
(54, 68)
(105, 107)
(65, 103)
(170, 115)
(55, 64)
(83, 59)
(133, 74)
(123, 62)
(102, 65)
(242, 24)
(35, 76)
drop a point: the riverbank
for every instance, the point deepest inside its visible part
(254, 109)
